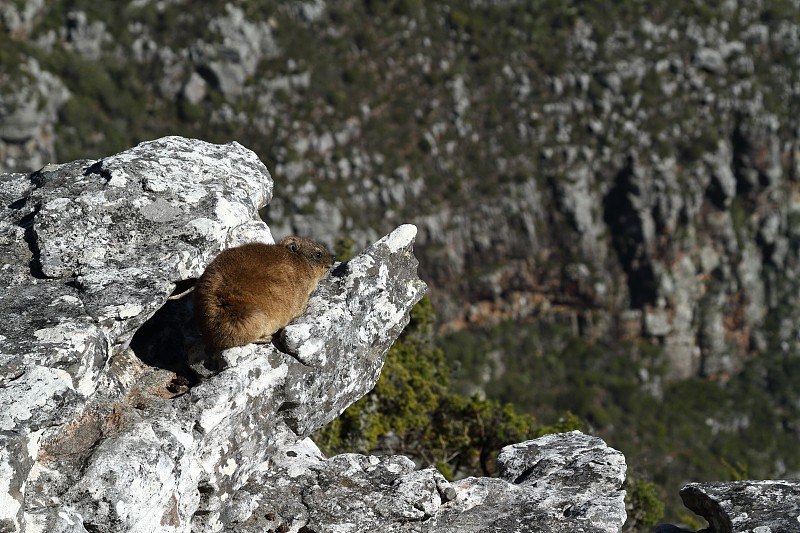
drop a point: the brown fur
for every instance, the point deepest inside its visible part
(249, 292)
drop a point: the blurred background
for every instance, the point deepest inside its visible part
(607, 196)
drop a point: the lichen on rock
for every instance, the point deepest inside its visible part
(114, 417)
(743, 506)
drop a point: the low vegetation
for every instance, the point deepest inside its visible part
(670, 432)
(415, 410)
(469, 97)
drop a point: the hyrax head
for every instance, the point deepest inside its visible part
(314, 253)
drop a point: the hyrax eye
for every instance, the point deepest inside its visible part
(318, 255)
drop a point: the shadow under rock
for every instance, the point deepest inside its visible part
(170, 340)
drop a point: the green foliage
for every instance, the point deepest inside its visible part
(408, 7)
(343, 249)
(12, 53)
(458, 20)
(712, 430)
(645, 508)
(738, 472)
(546, 366)
(396, 58)
(393, 7)
(190, 112)
(413, 411)
(692, 521)
(567, 422)
(107, 110)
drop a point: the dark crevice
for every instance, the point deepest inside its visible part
(628, 238)
(716, 194)
(750, 149)
(97, 168)
(37, 179)
(32, 239)
(18, 204)
(75, 284)
(526, 474)
(287, 406)
(165, 339)
(178, 385)
(209, 76)
(340, 270)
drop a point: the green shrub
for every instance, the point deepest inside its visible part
(644, 506)
(413, 411)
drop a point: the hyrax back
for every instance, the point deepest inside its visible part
(249, 292)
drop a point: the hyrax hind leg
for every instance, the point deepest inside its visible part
(254, 328)
(263, 339)
(263, 328)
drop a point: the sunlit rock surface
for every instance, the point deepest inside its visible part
(114, 418)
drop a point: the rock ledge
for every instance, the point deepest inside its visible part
(114, 418)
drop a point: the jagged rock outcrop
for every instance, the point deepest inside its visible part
(568, 482)
(114, 418)
(28, 115)
(746, 506)
(660, 143)
(226, 66)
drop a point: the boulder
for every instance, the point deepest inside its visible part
(568, 482)
(746, 506)
(115, 418)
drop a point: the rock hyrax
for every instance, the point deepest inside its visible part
(249, 292)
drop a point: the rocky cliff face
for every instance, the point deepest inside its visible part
(113, 416)
(630, 171)
(626, 173)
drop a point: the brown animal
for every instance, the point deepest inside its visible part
(249, 292)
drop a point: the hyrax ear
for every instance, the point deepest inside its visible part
(292, 246)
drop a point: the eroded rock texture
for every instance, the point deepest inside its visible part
(746, 506)
(568, 482)
(114, 418)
